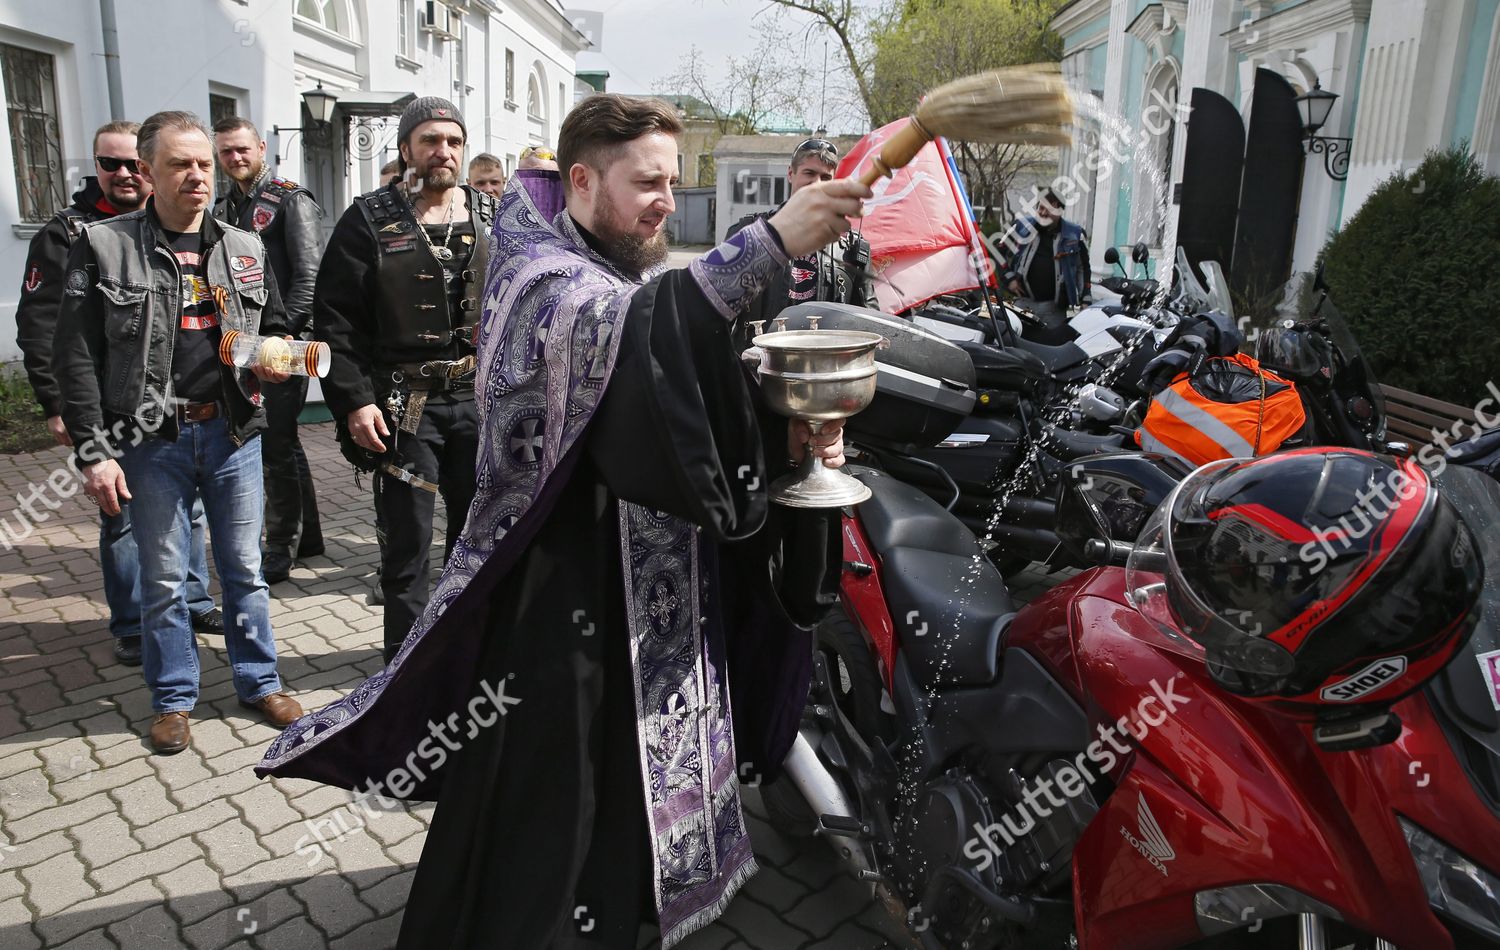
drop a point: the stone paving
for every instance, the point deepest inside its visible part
(104, 845)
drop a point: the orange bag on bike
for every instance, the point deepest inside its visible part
(1230, 408)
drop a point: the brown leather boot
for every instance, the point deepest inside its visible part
(279, 709)
(170, 733)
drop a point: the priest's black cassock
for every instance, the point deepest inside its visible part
(619, 562)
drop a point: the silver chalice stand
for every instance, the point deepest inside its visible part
(818, 376)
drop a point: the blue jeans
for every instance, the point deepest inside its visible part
(165, 478)
(122, 571)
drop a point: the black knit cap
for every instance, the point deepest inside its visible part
(427, 108)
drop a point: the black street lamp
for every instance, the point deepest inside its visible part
(320, 104)
(1314, 105)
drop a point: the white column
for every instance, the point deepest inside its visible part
(1206, 60)
(1487, 126)
(1406, 93)
(1111, 178)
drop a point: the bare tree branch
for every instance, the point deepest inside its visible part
(842, 18)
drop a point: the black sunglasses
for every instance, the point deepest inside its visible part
(821, 146)
(111, 164)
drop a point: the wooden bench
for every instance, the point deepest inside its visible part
(1413, 417)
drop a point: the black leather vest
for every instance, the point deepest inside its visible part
(411, 296)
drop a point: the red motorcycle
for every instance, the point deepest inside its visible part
(1082, 773)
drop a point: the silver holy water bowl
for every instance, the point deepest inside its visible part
(818, 376)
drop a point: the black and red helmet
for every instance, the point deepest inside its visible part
(1323, 577)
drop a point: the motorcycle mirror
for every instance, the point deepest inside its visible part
(1139, 254)
(1111, 255)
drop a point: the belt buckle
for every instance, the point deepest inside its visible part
(196, 412)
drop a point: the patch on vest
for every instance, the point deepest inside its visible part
(261, 219)
(78, 283)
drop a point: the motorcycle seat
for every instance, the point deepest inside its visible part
(1069, 445)
(1055, 358)
(899, 515)
(952, 613)
(947, 600)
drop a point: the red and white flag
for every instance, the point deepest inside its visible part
(921, 231)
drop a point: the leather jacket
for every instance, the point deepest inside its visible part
(359, 303)
(287, 218)
(42, 288)
(843, 275)
(122, 300)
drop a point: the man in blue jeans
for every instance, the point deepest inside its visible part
(158, 421)
(116, 187)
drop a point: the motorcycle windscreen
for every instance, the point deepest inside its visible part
(1194, 295)
(1468, 689)
(1343, 337)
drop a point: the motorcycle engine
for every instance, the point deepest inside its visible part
(931, 835)
(964, 847)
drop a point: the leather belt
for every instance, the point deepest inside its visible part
(438, 384)
(436, 375)
(197, 411)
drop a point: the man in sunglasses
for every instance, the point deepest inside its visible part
(838, 272)
(116, 187)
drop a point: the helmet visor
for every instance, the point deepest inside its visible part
(1182, 623)
(1476, 498)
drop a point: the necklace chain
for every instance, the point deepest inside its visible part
(446, 254)
(264, 171)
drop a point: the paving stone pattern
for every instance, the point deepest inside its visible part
(104, 845)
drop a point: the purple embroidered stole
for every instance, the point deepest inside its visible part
(547, 345)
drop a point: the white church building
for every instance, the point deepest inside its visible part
(1238, 168)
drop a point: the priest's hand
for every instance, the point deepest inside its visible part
(827, 445)
(366, 426)
(818, 214)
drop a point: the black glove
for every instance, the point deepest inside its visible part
(1216, 333)
(1184, 355)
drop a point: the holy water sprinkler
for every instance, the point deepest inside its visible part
(1019, 104)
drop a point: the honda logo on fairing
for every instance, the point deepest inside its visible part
(1366, 681)
(1152, 842)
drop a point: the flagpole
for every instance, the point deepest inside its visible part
(976, 244)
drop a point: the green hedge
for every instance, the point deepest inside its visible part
(1417, 273)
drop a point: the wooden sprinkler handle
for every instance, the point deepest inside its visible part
(897, 152)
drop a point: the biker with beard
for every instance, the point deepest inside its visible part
(839, 272)
(396, 300)
(289, 223)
